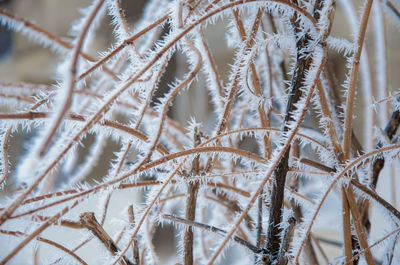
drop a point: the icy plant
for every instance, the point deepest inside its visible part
(312, 172)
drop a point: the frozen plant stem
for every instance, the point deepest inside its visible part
(303, 65)
(353, 81)
(37, 232)
(5, 156)
(192, 190)
(214, 229)
(89, 221)
(390, 131)
(349, 116)
(357, 223)
(71, 81)
(377, 166)
(249, 170)
(135, 244)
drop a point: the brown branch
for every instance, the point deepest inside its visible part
(273, 165)
(8, 211)
(347, 239)
(377, 166)
(249, 41)
(214, 229)
(126, 43)
(317, 165)
(358, 225)
(363, 188)
(120, 102)
(88, 220)
(105, 107)
(329, 241)
(350, 165)
(376, 197)
(135, 246)
(213, 66)
(36, 232)
(67, 100)
(76, 117)
(331, 127)
(375, 244)
(187, 29)
(311, 257)
(260, 239)
(336, 101)
(80, 193)
(47, 241)
(144, 183)
(234, 206)
(191, 198)
(302, 66)
(287, 239)
(321, 250)
(353, 81)
(393, 8)
(390, 130)
(339, 153)
(18, 97)
(65, 223)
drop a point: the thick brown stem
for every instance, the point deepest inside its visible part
(311, 257)
(89, 221)
(190, 215)
(287, 238)
(275, 210)
(303, 64)
(193, 188)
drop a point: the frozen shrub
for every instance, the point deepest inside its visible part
(307, 172)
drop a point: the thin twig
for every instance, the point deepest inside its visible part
(67, 100)
(358, 225)
(47, 241)
(37, 231)
(339, 176)
(135, 247)
(353, 81)
(214, 229)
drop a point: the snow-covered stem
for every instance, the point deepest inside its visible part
(260, 174)
(70, 84)
(355, 257)
(39, 230)
(358, 225)
(337, 178)
(353, 80)
(5, 156)
(48, 36)
(276, 160)
(346, 222)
